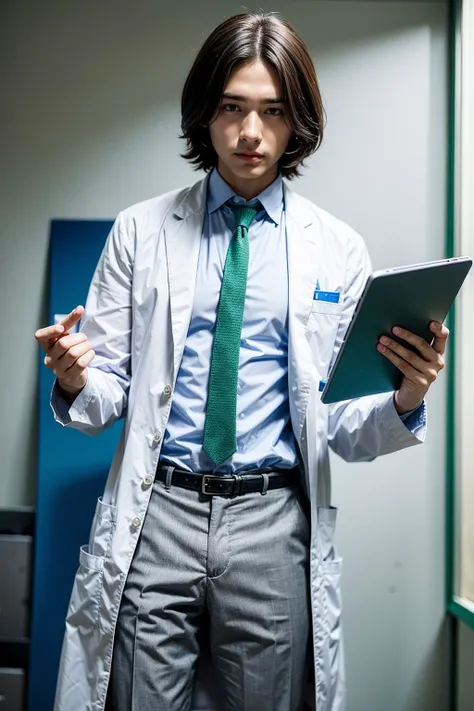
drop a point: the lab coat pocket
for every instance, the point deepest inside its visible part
(326, 307)
(84, 606)
(321, 333)
(102, 528)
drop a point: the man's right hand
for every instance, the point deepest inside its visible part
(67, 355)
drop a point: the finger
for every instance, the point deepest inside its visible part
(76, 368)
(441, 336)
(73, 355)
(49, 335)
(72, 318)
(406, 354)
(45, 335)
(420, 344)
(404, 367)
(69, 357)
(419, 379)
(61, 346)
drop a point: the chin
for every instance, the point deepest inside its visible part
(251, 170)
(247, 169)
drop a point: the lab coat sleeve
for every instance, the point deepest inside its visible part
(107, 322)
(364, 428)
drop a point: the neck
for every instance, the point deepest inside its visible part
(247, 188)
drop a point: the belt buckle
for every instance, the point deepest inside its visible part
(205, 479)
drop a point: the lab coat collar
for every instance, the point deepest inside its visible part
(194, 200)
(298, 209)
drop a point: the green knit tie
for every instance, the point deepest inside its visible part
(221, 415)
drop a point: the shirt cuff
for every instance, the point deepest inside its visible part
(65, 413)
(415, 419)
(59, 405)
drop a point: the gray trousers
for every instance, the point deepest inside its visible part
(233, 571)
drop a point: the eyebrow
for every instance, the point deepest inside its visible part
(237, 97)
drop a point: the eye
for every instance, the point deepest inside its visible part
(274, 111)
(229, 108)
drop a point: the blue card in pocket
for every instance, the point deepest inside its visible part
(331, 296)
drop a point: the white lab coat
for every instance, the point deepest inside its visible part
(137, 314)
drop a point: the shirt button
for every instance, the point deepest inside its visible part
(157, 437)
(148, 480)
(136, 522)
(167, 390)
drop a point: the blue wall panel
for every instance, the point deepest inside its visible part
(72, 468)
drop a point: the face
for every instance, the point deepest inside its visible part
(250, 131)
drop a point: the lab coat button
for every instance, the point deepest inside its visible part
(148, 480)
(167, 390)
(136, 522)
(157, 437)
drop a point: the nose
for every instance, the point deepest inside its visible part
(251, 129)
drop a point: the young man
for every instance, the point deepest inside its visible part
(201, 330)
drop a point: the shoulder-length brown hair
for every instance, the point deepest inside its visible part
(243, 38)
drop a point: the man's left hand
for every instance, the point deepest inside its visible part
(419, 369)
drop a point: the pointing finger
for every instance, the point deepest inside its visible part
(67, 323)
(72, 318)
(49, 335)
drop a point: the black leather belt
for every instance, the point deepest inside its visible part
(235, 485)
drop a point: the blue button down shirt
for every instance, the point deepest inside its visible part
(264, 432)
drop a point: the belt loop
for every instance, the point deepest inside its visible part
(169, 476)
(264, 484)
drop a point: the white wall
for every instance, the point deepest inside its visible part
(89, 125)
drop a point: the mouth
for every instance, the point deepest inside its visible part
(249, 157)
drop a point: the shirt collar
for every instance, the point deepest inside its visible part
(271, 198)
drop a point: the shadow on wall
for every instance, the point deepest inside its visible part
(435, 660)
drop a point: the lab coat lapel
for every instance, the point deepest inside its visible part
(303, 259)
(183, 229)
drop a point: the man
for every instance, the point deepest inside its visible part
(200, 329)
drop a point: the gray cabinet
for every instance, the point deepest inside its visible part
(12, 689)
(16, 553)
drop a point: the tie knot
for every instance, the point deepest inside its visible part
(244, 214)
